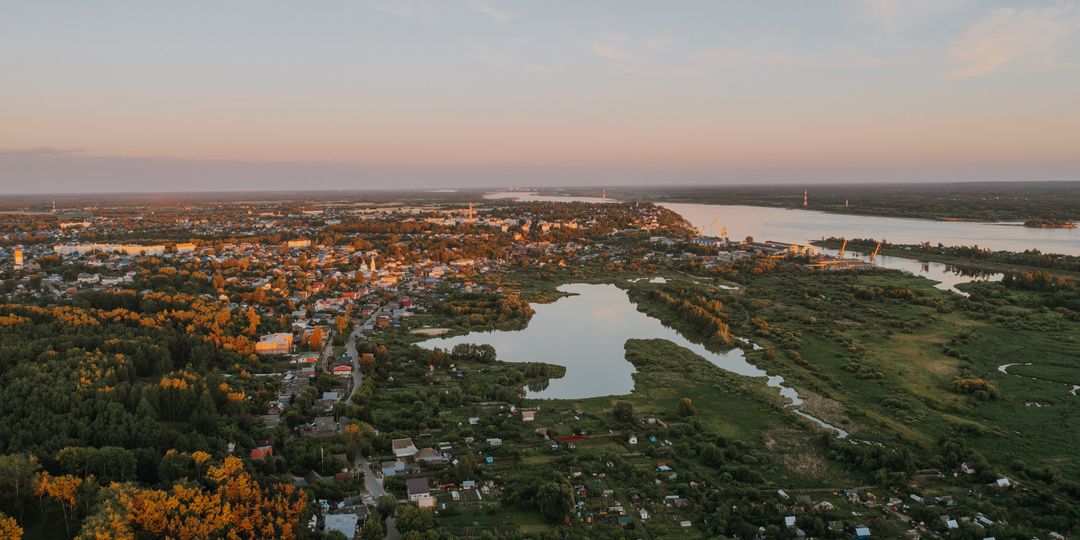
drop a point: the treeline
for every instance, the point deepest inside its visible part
(1008, 201)
(1036, 281)
(216, 499)
(88, 376)
(705, 315)
(480, 309)
(1030, 258)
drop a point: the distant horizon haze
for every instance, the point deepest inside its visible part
(37, 172)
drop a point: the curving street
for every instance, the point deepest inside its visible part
(371, 483)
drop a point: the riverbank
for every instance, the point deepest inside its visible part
(923, 254)
(988, 202)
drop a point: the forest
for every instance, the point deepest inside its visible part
(117, 391)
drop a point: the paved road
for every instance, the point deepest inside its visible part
(371, 483)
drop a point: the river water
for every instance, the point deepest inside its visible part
(948, 276)
(801, 226)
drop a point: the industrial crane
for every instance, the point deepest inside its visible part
(720, 227)
(842, 248)
(873, 257)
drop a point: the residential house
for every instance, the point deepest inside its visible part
(419, 492)
(274, 344)
(429, 455)
(343, 523)
(404, 448)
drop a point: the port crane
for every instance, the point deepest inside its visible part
(842, 248)
(873, 257)
(720, 227)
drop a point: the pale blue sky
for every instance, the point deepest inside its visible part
(117, 96)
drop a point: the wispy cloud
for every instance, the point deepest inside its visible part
(610, 46)
(892, 15)
(1034, 37)
(480, 6)
(739, 55)
(412, 9)
(502, 59)
(633, 70)
(45, 151)
(609, 51)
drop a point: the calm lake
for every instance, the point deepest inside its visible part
(586, 333)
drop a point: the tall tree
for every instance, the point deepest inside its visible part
(372, 529)
(18, 476)
(623, 411)
(555, 499)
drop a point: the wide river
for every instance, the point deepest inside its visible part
(800, 226)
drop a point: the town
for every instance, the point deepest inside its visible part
(297, 339)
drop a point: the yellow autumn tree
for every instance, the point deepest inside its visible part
(9, 529)
(315, 339)
(252, 321)
(64, 490)
(236, 508)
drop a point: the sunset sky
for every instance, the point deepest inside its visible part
(177, 96)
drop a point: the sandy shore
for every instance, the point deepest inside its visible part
(430, 331)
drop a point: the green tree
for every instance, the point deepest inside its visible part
(387, 506)
(411, 518)
(18, 476)
(372, 529)
(555, 499)
(712, 456)
(623, 411)
(466, 466)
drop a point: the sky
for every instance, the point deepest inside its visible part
(384, 94)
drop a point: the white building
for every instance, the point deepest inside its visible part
(404, 448)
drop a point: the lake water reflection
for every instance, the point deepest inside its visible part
(586, 333)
